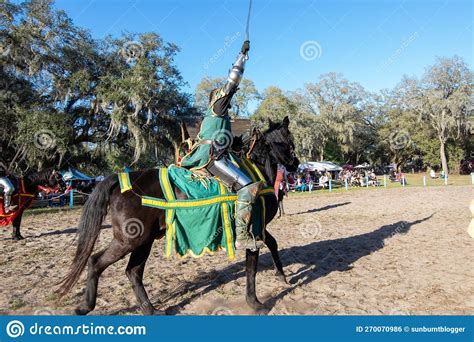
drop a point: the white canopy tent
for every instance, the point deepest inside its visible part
(362, 166)
(319, 166)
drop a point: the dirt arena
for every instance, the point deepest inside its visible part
(377, 251)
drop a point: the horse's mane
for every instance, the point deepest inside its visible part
(261, 151)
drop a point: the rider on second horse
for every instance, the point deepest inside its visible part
(8, 189)
(210, 152)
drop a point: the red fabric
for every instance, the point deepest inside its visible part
(280, 177)
(47, 190)
(21, 199)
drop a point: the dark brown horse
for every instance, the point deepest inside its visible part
(271, 147)
(30, 182)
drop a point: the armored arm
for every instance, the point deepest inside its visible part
(222, 99)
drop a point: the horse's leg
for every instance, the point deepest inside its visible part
(97, 264)
(16, 235)
(134, 272)
(251, 261)
(273, 247)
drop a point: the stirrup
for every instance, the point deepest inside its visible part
(249, 243)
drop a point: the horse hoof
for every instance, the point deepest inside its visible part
(281, 278)
(81, 311)
(260, 310)
(17, 238)
(258, 307)
(159, 312)
(147, 311)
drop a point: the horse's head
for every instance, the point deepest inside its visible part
(280, 142)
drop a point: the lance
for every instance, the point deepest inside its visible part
(247, 26)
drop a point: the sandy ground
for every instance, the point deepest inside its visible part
(376, 251)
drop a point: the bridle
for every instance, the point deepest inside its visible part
(268, 139)
(276, 136)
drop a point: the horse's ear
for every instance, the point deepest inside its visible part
(270, 122)
(286, 121)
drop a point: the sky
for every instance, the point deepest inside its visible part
(293, 42)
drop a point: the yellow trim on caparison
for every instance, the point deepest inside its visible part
(169, 232)
(249, 171)
(159, 203)
(169, 212)
(166, 184)
(257, 171)
(227, 226)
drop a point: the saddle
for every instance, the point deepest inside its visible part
(204, 222)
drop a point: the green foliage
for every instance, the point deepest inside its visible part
(443, 99)
(109, 102)
(240, 102)
(104, 104)
(337, 120)
(455, 154)
(276, 105)
(43, 135)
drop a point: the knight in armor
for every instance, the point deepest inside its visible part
(8, 189)
(211, 152)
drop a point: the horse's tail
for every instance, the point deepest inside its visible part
(93, 214)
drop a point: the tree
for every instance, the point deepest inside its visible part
(116, 100)
(396, 136)
(275, 105)
(240, 102)
(202, 91)
(442, 98)
(337, 104)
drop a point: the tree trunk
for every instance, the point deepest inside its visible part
(444, 162)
